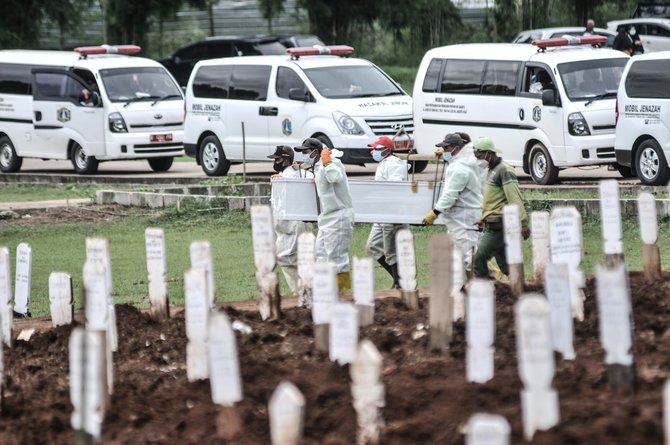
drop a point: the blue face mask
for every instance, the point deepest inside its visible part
(307, 159)
(447, 156)
(377, 155)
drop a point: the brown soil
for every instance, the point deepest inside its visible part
(428, 399)
(75, 215)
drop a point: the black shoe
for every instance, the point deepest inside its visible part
(396, 279)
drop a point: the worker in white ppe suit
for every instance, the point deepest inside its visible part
(336, 213)
(381, 241)
(461, 198)
(287, 232)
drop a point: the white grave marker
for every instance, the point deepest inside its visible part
(610, 216)
(368, 393)
(263, 236)
(407, 267)
(224, 365)
(539, 402)
(458, 277)
(513, 247)
(60, 298)
(540, 230)
(197, 318)
(480, 331)
(343, 333)
(24, 264)
(557, 288)
(325, 295)
(95, 308)
(6, 315)
(287, 415)
(487, 429)
(306, 242)
(97, 250)
(666, 412)
(201, 258)
(651, 257)
(364, 290)
(154, 240)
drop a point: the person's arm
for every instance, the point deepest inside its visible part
(397, 171)
(334, 172)
(454, 183)
(510, 185)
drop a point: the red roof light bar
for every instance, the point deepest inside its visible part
(333, 50)
(569, 40)
(108, 49)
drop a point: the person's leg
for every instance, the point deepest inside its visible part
(485, 250)
(375, 244)
(499, 253)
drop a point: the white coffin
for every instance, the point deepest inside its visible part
(374, 201)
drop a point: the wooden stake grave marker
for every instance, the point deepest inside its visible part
(265, 258)
(651, 256)
(154, 240)
(197, 319)
(610, 216)
(666, 412)
(480, 331)
(6, 315)
(224, 375)
(364, 290)
(487, 429)
(458, 278)
(97, 250)
(440, 310)
(306, 260)
(407, 268)
(343, 333)
(60, 298)
(24, 264)
(325, 295)
(565, 247)
(201, 258)
(368, 393)
(2, 377)
(540, 231)
(287, 415)
(557, 289)
(513, 247)
(616, 335)
(539, 401)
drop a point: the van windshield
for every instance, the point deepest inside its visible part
(347, 82)
(588, 79)
(149, 83)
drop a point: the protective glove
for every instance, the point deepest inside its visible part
(275, 176)
(525, 232)
(326, 156)
(430, 218)
(439, 151)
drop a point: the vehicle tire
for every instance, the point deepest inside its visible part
(326, 140)
(84, 165)
(162, 164)
(212, 158)
(10, 162)
(416, 166)
(542, 168)
(625, 172)
(650, 163)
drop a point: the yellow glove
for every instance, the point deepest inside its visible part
(430, 218)
(325, 156)
(439, 151)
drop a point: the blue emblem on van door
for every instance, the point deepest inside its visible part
(537, 114)
(286, 126)
(63, 114)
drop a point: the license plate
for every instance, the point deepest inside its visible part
(161, 137)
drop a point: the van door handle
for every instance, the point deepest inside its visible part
(268, 111)
(521, 114)
(38, 116)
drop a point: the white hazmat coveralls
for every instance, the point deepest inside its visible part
(381, 242)
(336, 215)
(461, 201)
(287, 233)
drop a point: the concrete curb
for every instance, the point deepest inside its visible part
(163, 200)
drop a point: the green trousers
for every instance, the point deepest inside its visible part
(491, 245)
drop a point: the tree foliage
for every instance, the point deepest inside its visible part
(270, 9)
(506, 19)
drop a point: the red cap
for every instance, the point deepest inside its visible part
(384, 141)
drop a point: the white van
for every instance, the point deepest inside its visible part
(643, 118)
(255, 103)
(88, 106)
(546, 107)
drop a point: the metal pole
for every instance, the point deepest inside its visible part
(244, 156)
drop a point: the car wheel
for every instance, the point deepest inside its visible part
(625, 172)
(416, 166)
(83, 164)
(10, 162)
(650, 163)
(161, 164)
(212, 158)
(542, 168)
(325, 140)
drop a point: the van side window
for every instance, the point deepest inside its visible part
(648, 79)
(287, 79)
(463, 76)
(537, 80)
(430, 82)
(57, 87)
(15, 79)
(212, 82)
(250, 82)
(500, 78)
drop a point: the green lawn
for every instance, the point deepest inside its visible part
(44, 192)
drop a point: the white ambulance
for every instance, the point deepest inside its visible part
(243, 107)
(548, 106)
(91, 105)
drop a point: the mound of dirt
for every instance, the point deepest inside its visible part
(428, 398)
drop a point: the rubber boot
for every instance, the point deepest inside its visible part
(396, 277)
(387, 267)
(343, 281)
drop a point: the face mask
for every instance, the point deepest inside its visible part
(377, 155)
(483, 164)
(307, 159)
(632, 31)
(447, 156)
(278, 166)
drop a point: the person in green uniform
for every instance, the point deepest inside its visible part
(501, 187)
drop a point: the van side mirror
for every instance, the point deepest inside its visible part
(298, 94)
(96, 100)
(549, 98)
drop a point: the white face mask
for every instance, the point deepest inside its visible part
(632, 31)
(483, 164)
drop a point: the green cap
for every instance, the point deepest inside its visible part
(485, 144)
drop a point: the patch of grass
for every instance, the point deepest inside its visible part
(44, 192)
(625, 193)
(404, 75)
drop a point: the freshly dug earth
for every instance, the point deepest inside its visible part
(428, 398)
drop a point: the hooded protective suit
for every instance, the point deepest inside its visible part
(287, 233)
(461, 201)
(336, 216)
